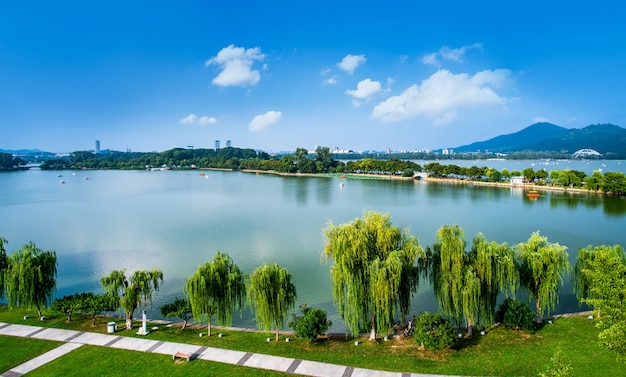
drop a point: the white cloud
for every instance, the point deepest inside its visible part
(193, 118)
(207, 120)
(443, 94)
(331, 80)
(189, 119)
(350, 62)
(262, 121)
(451, 54)
(365, 89)
(236, 66)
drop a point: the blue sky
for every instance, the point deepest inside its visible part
(404, 75)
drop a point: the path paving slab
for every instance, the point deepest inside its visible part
(317, 369)
(55, 334)
(170, 348)
(134, 344)
(269, 362)
(94, 339)
(19, 330)
(222, 355)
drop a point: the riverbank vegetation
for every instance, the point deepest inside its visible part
(322, 162)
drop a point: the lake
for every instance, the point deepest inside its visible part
(174, 221)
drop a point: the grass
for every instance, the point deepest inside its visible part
(500, 352)
(16, 351)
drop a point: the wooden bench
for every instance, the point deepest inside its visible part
(181, 355)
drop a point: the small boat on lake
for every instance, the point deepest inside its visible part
(533, 194)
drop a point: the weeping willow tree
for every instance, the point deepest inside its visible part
(583, 284)
(132, 292)
(30, 277)
(496, 268)
(467, 284)
(542, 265)
(216, 288)
(3, 264)
(604, 274)
(373, 270)
(272, 296)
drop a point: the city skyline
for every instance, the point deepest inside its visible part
(152, 76)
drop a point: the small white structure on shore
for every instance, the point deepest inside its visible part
(517, 181)
(144, 324)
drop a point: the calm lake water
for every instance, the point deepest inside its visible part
(174, 221)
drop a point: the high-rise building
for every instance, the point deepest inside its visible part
(97, 146)
(217, 144)
(228, 143)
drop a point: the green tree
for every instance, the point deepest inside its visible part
(272, 295)
(311, 324)
(217, 287)
(582, 281)
(68, 304)
(606, 274)
(96, 304)
(542, 265)
(374, 271)
(467, 285)
(132, 292)
(30, 277)
(179, 308)
(432, 331)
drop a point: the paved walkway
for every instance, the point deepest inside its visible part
(74, 339)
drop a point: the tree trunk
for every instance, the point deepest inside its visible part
(373, 330)
(277, 332)
(184, 324)
(129, 320)
(39, 312)
(469, 327)
(209, 324)
(539, 318)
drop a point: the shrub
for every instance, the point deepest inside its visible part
(311, 324)
(433, 331)
(515, 315)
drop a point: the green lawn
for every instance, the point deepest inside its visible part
(499, 353)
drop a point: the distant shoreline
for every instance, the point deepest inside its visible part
(454, 181)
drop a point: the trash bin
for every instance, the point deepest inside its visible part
(111, 327)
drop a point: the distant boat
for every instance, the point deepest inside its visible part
(533, 194)
(202, 174)
(61, 182)
(59, 175)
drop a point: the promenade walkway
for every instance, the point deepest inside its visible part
(74, 339)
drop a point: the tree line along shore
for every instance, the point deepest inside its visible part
(322, 163)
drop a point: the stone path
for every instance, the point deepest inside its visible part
(74, 339)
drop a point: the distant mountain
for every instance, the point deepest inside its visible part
(604, 138)
(515, 141)
(547, 137)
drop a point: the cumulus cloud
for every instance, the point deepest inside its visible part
(443, 94)
(262, 121)
(207, 120)
(236, 66)
(365, 89)
(451, 54)
(350, 62)
(331, 80)
(193, 118)
(189, 119)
